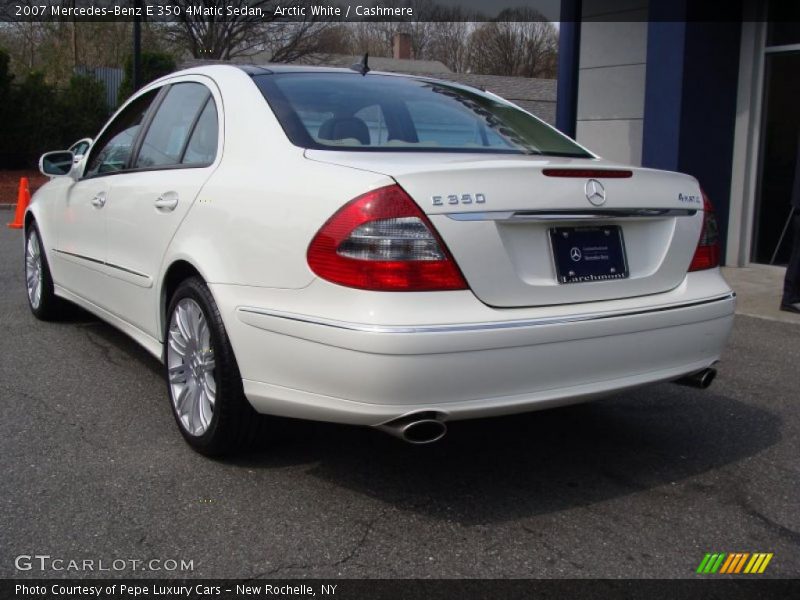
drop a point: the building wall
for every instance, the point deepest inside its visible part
(611, 79)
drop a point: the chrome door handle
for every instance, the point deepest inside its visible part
(99, 201)
(167, 202)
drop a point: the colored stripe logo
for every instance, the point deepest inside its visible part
(734, 563)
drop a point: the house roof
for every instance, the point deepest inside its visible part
(382, 63)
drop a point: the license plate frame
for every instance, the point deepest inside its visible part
(589, 254)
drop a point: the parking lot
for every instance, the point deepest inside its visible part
(639, 485)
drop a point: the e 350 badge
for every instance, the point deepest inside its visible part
(458, 199)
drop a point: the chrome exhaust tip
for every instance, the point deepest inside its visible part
(701, 379)
(423, 427)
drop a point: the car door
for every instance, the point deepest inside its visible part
(81, 240)
(176, 155)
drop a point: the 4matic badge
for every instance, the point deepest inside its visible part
(689, 198)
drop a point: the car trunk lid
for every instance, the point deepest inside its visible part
(499, 214)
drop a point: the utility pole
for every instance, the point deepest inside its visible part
(137, 47)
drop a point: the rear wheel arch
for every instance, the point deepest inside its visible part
(179, 271)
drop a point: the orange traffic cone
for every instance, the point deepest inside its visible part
(23, 199)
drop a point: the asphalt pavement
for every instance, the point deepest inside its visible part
(642, 484)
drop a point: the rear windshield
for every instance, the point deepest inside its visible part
(343, 111)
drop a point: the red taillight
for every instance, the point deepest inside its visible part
(382, 241)
(708, 251)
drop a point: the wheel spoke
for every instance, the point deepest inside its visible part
(182, 323)
(178, 374)
(177, 342)
(205, 337)
(194, 411)
(195, 322)
(210, 389)
(208, 363)
(205, 411)
(180, 400)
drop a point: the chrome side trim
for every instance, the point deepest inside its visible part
(81, 256)
(467, 327)
(102, 262)
(572, 215)
(126, 270)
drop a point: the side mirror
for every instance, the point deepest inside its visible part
(56, 164)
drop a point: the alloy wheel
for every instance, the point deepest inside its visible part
(33, 270)
(191, 364)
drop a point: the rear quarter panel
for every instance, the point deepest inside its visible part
(253, 220)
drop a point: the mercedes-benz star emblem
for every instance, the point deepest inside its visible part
(575, 254)
(595, 192)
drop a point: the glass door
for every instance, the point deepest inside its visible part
(778, 160)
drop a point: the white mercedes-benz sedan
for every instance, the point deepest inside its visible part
(373, 249)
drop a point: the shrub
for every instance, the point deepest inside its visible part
(154, 65)
(84, 108)
(37, 117)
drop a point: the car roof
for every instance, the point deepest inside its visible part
(274, 69)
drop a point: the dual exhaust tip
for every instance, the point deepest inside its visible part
(426, 427)
(423, 427)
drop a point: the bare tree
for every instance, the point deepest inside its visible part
(518, 42)
(450, 45)
(207, 36)
(291, 41)
(449, 36)
(374, 37)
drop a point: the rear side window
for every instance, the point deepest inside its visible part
(169, 132)
(202, 146)
(112, 151)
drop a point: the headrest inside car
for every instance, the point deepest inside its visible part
(340, 128)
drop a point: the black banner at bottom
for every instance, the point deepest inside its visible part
(391, 589)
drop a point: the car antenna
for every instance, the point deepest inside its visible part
(362, 67)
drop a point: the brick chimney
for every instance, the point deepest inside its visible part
(401, 46)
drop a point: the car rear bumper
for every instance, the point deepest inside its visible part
(324, 368)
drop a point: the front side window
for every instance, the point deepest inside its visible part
(335, 111)
(166, 138)
(113, 149)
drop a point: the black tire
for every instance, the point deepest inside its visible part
(50, 307)
(234, 424)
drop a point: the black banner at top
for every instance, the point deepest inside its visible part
(268, 11)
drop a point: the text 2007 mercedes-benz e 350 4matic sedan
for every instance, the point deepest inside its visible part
(373, 249)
